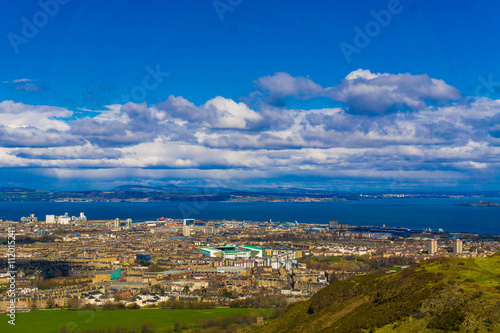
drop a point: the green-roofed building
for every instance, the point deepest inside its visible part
(232, 252)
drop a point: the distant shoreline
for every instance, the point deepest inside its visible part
(415, 213)
(479, 204)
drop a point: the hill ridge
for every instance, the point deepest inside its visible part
(444, 294)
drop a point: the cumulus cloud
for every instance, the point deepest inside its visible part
(369, 93)
(362, 91)
(23, 125)
(229, 114)
(283, 84)
(181, 108)
(218, 112)
(129, 124)
(18, 115)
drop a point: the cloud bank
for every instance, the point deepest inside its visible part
(390, 131)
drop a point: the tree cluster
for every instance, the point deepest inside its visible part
(260, 301)
(185, 304)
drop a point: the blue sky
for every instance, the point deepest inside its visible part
(97, 94)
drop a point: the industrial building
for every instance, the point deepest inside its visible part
(65, 219)
(336, 225)
(31, 218)
(394, 232)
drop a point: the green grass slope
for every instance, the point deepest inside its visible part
(50, 321)
(439, 295)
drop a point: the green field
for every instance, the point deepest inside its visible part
(50, 321)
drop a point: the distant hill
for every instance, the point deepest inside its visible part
(479, 204)
(180, 192)
(166, 193)
(14, 189)
(440, 295)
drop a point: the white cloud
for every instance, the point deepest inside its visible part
(22, 80)
(364, 92)
(18, 115)
(369, 93)
(218, 112)
(229, 114)
(283, 84)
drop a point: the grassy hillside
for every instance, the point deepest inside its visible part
(447, 294)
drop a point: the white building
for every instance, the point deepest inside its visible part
(209, 230)
(188, 222)
(432, 247)
(457, 246)
(81, 218)
(64, 219)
